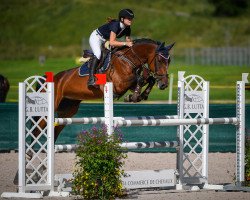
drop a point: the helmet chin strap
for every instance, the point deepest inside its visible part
(122, 25)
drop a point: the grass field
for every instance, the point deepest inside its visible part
(222, 79)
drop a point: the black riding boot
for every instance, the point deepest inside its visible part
(92, 67)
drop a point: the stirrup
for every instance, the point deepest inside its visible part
(91, 82)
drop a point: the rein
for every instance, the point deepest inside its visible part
(144, 64)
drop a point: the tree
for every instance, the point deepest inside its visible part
(229, 8)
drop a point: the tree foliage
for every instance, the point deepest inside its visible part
(229, 8)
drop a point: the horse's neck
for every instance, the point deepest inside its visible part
(138, 54)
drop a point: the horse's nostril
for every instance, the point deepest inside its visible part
(162, 86)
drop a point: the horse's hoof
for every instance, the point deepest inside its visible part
(144, 97)
(93, 87)
(134, 99)
(128, 98)
(139, 99)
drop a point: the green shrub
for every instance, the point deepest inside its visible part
(99, 161)
(247, 160)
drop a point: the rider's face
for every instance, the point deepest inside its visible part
(127, 21)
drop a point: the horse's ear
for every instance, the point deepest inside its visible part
(169, 47)
(160, 46)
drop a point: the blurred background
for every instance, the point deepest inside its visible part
(212, 37)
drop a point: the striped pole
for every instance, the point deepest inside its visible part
(176, 122)
(126, 145)
(150, 145)
(65, 147)
(101, 120)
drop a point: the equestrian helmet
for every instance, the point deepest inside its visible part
(126, 13)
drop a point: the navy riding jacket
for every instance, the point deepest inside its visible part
(113, 26)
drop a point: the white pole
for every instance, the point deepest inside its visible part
(180, 130)
(108, 106)
(21, 153)
(240, 134)
(50, 135)
(170, 95)
(205, 139)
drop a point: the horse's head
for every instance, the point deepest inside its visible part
(160, 63)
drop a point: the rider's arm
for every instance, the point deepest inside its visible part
(113, 42)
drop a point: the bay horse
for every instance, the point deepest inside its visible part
(4, 88)
(145, 55)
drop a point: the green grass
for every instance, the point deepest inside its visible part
(18, 70)
(222, 79)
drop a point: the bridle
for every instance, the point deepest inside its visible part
(143, 64)
(155, 75)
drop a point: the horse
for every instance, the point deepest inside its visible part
(4, 88)
(145, 55)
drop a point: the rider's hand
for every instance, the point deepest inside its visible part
(129, 44)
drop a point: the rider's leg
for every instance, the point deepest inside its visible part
(93, 64)
(95, 44)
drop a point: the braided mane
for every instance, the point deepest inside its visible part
(145, 40)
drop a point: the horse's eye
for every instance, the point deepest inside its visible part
(161, 59)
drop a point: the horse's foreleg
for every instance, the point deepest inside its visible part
(134, 97)
(144, 96)
(137, 91)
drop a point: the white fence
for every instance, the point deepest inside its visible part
(234, 56)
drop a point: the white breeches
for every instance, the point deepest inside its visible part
(95, 42)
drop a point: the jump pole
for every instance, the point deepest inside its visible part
(101, 120)
(126, 145)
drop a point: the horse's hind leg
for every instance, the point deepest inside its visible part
(67, 109)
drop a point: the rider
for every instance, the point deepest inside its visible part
(110, 31)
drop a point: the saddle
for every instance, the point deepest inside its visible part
(103, 64)
(105, 60)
